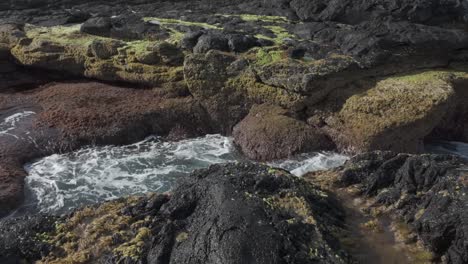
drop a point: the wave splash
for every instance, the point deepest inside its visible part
(61, 182)
(9, 124)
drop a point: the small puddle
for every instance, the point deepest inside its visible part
(373, 240)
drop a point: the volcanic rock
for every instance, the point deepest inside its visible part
(235, 213)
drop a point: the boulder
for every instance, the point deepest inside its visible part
(169, 54)
(208, 42)
(190, 39)
(396, 114)
(241, 43)
(103, 49)
(206, 74)
(268, 133)
(99, 26)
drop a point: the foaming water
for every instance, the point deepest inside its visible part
(61, 182)
(305, 163)
(448, 147)
(9, 124)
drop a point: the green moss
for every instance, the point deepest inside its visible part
(280, 32)
(261, 93)
(170, 21)
(260, 18)
(419, 213)
(44, 237)
(390, 106)
(294, 205)
(280, 35)
(422, 257)
(430, 76)
(66, 35)
(182, 236)
(89, 234)
(373, 225)
(134, 248)
(265, 56)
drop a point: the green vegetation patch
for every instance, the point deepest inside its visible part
(261, 93)
(170, 21)
(93, 232)
(391, 104)
(260, 18)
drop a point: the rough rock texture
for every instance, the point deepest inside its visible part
(238, 213)
(267, 133)
(396, 114)
(426, 192)
(25, 237)
(328, 63)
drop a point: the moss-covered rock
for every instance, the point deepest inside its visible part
(67, 49)
(92, 234)
(104, 49)
(206, 74)
(397, 113)
(258, 92)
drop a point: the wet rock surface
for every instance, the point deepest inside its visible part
(283, 77)
(298, 55)
(238, 213)
(268, 133)
(425, 194)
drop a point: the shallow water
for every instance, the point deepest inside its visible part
(448, 147)
(61, 182)
(375, 243)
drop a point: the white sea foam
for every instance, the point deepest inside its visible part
(305, 163)
(62, 182)
(10, 123)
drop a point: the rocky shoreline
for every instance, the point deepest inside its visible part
(247, 213)
(282, 77)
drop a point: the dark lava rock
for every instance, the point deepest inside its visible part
(22, 240)
(235, 213)
(241, 43)
(211, 42)
(124, 26)
(169, 54)
(190, 39)
(99, 26)
(429, 192)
